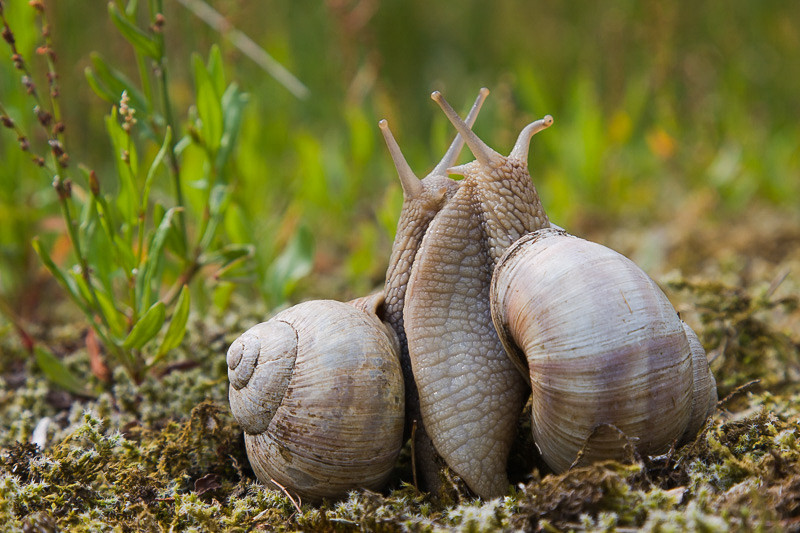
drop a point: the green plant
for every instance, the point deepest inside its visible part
(137, 245)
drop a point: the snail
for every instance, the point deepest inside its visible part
(318, 391)
(489, 302)
(470, 412)
(470, 391)
(603, 349)
(422, 200)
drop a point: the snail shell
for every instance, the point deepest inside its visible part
(318, 391)
(601, 346)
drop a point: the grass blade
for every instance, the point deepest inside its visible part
(146, 328)
(57, 372)
(142, 42)
(177, 325)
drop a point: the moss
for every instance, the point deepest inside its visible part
(738, 326)
(740, 473)
(167, 454)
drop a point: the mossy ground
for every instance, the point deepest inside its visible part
(167, 455)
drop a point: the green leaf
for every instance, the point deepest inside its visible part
(218, 201)
(57, 373)
(151, 172)
(83, 287)
(228, 254)
(177, 325)
(65, 282)
(114, 82)
(233, 103)
(208, 105)
(146, 328)
(96, 245)
(126, 254)
(229, 257)
(98, 87)
(174, 241)
(291, 266)
(141, 41)
(114, 317)
(127, 199)
(216, 69)
(152, 265)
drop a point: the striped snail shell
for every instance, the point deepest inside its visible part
(603, 349)
(318, 391)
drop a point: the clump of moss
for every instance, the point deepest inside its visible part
(166, 454)
(738, 327)
(99, 473)
(565, 498)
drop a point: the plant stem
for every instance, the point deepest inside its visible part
(157, 8)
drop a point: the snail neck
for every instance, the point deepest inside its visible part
(507, 202)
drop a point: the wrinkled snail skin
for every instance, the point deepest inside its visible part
(318, 390)
(601, 347)
(470, 393)
(422, 200)
(485, 301)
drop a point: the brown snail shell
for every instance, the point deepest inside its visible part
(601, 347)
(318, 391)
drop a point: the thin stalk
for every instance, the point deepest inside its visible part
(247, 46)
(157, 8)
(147, 88)
(212, 181)
(76, 246)
(52, 75)
(184, 279)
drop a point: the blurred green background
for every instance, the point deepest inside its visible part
(656, 104)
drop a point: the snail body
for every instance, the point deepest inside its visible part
(318, 391)
(470, 393)
(422, 201)
(484, 303)
(601, 347)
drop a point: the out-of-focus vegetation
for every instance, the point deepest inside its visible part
(653, 104)
(676, 140)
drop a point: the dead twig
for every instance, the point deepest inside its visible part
(296, 505)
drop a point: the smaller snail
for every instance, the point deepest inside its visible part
(318, 390)
(601, 347)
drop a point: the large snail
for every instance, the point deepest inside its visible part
(604, 350)
(488, 302)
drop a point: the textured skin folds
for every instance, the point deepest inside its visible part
(414, 220)
(422, 200)
(470, 392)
